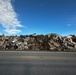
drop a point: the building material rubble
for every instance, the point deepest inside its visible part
(49, 42)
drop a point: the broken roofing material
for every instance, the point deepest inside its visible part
(50, 42)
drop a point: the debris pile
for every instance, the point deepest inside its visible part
(49, 42)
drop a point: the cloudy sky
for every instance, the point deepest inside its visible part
(38, 16)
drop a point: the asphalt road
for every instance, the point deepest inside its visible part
(37, 63)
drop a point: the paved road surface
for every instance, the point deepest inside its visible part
(37, 63)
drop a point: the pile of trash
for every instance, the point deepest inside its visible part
(49, 42)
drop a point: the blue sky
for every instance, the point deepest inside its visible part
(40, 16)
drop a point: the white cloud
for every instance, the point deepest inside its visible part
(8, 17)
(12, 31)
(69, 25)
